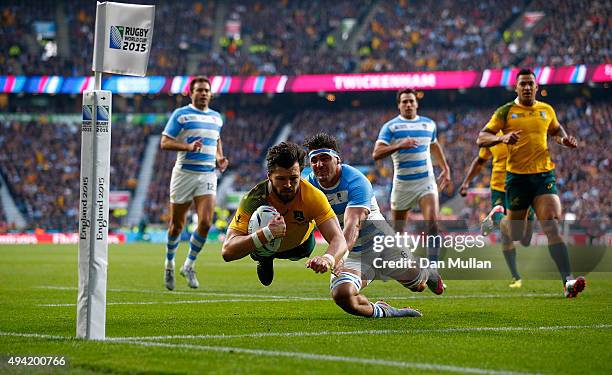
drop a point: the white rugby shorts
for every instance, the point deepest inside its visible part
(406, 194)
(364, 264)
(185, 185)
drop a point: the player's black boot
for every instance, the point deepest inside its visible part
(265, 270)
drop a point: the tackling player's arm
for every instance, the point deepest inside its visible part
(353, 218)
(473, 171)
(382, 150)
(330, 229)
(171, 144)
(238, 244)
(221, 160)
(444, 179)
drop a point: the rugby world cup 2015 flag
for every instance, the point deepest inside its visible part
(123, 38)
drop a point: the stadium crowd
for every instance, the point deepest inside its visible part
(40, 161)
(444, 35)
(254, 38)
(572, 32)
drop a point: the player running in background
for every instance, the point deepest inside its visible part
(352, 199)
(193, 131)
(526, 124)
(498, 155)
(301, 206)
(411, 140)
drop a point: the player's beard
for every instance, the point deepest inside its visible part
(285, 194)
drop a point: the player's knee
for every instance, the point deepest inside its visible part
(345, 288)
(175, 228)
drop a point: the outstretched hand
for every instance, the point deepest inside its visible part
(318, 264)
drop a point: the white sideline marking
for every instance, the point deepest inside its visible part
(284, 299)
(332, 358)
(272, 298)
(288, 299)
(366, 332)
(169, 293)
(300, 355)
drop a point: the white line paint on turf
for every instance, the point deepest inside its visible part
(282, 299)
(331, 358)
(299, 355)
(272, 298)
(366, 332)
(288, 299)
(169, 293)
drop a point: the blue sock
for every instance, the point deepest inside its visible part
(196, 242)
(171, 246)
(377, 311)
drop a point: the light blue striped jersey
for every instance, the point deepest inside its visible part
(411, 164)
(188, 124)
(353, 190)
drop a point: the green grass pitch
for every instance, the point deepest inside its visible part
(234, 325)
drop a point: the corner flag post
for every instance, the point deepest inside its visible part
(122, 42)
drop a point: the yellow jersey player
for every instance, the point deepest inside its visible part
(301, 207)
(498, 155)
(530, 178)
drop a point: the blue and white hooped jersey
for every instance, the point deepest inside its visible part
(188, 124)
(413, 164)
(353, 190)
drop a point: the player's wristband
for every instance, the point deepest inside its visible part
(267, 233)
(330, 259)
(256, 240)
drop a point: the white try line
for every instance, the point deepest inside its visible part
(263, 298)
(187, 302)
(424, 295)
(169, 293)
(364, 332)
(298, 355)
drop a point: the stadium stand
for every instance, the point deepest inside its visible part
(572, 32)
(46, 186)
(42, 164)
(445, 35)
(202, 37)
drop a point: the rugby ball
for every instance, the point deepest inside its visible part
(259, 219)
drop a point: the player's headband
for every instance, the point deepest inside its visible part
(327, 151)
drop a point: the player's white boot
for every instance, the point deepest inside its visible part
(190, 275)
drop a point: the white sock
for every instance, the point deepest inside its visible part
(169, 264)
(188, 263)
